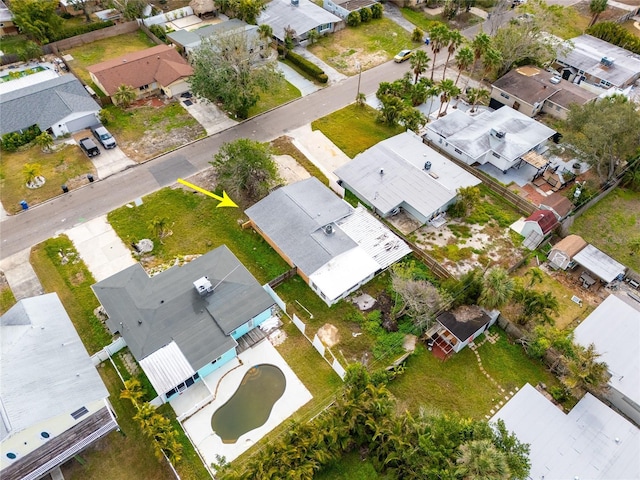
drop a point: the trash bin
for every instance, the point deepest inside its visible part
(65, 189)
(24, 205)
(427, 41)
(90, 177)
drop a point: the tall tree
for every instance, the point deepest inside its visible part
(246, 168)
(497, 289)
(419, 64)
(491, 62)
(448, 90)
(45, 142)
(37, 19)
(246, 10)
(124, 96)
(585, 372)
(464, 60)
(439, 35)
(228, 69)
(480, 44)
(455, 40)
(596, 7)
(605, 134)
(475, 96)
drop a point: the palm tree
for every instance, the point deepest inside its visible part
(419, 64)
(265, 32)
(45, 142)
(361, 99)
(497, 289)
(159, 226)
(133, 391)
(596, 7)
(475, 96)
(480, 44)
(439, 35)
(448, 90)
(585, 372)
(535, 276)
(492, 60)
(481, 460)
(31, 172)
(432, 92)
(464, 59)
(312, 36)
(124, 96)
(455, 40)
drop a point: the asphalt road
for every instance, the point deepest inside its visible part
(61, 213)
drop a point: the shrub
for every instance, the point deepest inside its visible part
(457, 210)
(12, 141)
(159, 31)
(417, 35)
(376, 11)
(365, 14)
(354, 19)
(80, 29)
(305, 65)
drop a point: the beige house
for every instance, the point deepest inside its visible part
(531, 90)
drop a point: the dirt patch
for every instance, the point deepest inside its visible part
(289, 170)
(156, 141)
(77, 279)
(347, 60)
(610, 14)
(328, 334)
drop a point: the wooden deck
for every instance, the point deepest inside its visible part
(249, 339)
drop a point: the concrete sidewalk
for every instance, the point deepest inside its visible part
(22, 279)
(334, 75)
(305, 86)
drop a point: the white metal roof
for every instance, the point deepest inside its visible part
(599, 263)
(280, 14)
(614, 329)
(402, 159)
(590, 442)
(166, 368)
(45, 370)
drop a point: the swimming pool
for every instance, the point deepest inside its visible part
(250, 406)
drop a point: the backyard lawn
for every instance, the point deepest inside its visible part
(66, 166)
(273, 98)
(146, 131)
(351, 467)
(7, 300)
(370, 44)
(198, 227)
(354, 128)
(105, 49)
(612, 224)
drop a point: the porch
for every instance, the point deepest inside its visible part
(440, 342)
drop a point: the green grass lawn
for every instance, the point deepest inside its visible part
(351, 467)
(611, 224)
(105, 49)
(7, 300)
(273, 98)
(12, 43)
(145, 132)
(67, 166)
(198, 227)
(354, 128)
(370, 43)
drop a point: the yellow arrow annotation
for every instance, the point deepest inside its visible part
(225, 201)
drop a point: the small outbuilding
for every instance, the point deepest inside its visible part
(457, 328)
(560, 205)
(562, 253)
(599, 264)
(537, 226)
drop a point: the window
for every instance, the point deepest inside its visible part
(216, 360)
(497, 155)
(144, 87)
(80, 412)
(516, 105)
(558, 108)
(11, 456)
(170, 393)
(458, 151)
(45, 435)
(502, 94)
(325, 27)
(189, 382)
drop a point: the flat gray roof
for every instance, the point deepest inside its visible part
(590, 442)
(402, 158)
(599, 263)
(193, 38)
(614, 329)
(45, 371)
(280, 14)
(151, 312)
(293, 217)
(472, 134)
(586, 52)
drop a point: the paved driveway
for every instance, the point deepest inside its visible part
(212, 119)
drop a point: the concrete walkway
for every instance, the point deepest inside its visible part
(22, 279)
(319, 150)
(334, 75)
(101, 249)
(305, 86)
(212, 119)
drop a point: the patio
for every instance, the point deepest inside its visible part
(222, 384)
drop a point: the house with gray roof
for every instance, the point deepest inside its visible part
(300, 15)
(187, 321)
(402, 172)
(335, 247)
(59, 106)
(597, 65)
(53, 403)
(590, 442)
(343, 8)
(501, 137)
(188, 40)
(614, 328)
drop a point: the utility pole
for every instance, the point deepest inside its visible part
(359, 67)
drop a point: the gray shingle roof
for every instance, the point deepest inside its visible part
(293, 217)
(193, 38)
(280, 14)
(45, 370)
(151, 312)
(44, 104)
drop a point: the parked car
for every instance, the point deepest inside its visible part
(402, 56)
(89, 147)
(103, 136)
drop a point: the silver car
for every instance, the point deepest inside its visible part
(103, 136)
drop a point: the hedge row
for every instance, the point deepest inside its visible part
(305, 65)
(10, 142)
(80, 29)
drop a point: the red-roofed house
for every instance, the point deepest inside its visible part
(159, 69)
(541, 222)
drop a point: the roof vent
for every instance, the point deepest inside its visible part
(382, 171)
(295, 3)
(328, 229)
(427, 166)
(203, 286)
(607, 61)
(498, 133)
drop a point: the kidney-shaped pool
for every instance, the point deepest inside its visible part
(250, 406)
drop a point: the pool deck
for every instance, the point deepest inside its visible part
(223, 383)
